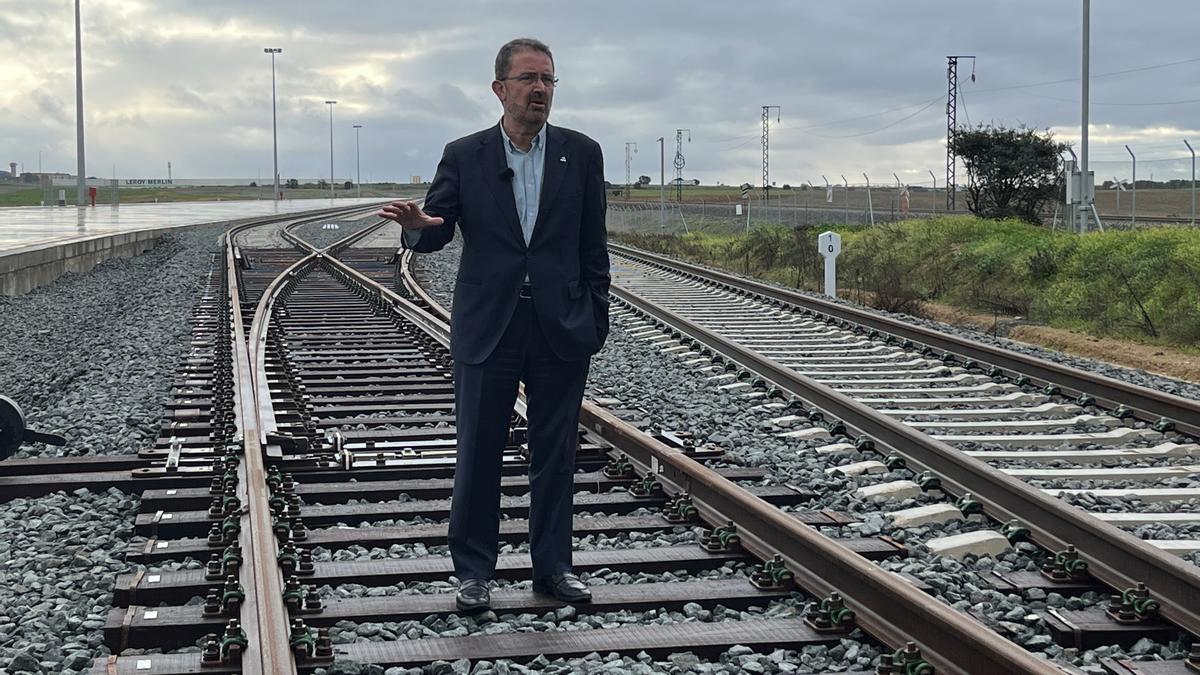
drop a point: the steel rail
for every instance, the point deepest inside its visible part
(887, 606)
(1147, 404)
(1115, 557)
(265, 617)
(268, 652)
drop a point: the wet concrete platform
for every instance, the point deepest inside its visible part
(32, 227)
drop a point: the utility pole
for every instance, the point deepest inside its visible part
(628, 162)
(662, 182)
(766, 120)
(357, 163)
(952, 124)
(679, 162)
(81, 169)
(331, 104)
(274, 131)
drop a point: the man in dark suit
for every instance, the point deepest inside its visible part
(530, 305)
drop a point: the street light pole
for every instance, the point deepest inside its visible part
(274, 128)
(81, 179)
(357, 163)
(331, 104)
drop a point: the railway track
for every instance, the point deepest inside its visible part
(294, 508)
(1007, 432)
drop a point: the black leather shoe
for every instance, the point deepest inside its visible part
(473, 596)
(566, 587)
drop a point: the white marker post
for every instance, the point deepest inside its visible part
(830, 245)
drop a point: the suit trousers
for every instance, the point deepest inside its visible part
(484, 395)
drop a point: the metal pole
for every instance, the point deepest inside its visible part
(1191, 150)
(274, 128)
(846, 200)
(331, 104)
(766, 144)
(357, 162)
(828, 189)
(931, 175)
(81, 169)
(870, 207)
(662, 182)
(680, 162)
(807, 194)
(1133, 208)
(1083, 126)
(628, 160)
(896, 203)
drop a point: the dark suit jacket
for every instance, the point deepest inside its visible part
(566, 259)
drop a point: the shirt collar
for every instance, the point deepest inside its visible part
(539, 141)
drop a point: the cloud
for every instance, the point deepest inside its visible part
(50, 106)
(187, 81)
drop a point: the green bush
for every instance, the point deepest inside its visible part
(1140, 283)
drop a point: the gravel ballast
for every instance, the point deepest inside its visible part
(90, 356)
(61, 554)
(673, 396)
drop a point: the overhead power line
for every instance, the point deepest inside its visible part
(1139, 104)
(1093, 76)
(889, 125)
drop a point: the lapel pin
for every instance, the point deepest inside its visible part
(563, 158)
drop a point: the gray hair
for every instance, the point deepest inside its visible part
(504, 57)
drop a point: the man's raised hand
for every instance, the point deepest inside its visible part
(409, 215)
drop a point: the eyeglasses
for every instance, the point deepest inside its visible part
(527, 79)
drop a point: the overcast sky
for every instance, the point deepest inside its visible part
(861, 83)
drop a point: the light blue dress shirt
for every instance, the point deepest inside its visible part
(528, 167)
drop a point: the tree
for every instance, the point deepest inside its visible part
(1011, 172)
(292, 183)
(643, 180)
(348, 185)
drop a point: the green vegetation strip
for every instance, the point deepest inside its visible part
(1141, 284)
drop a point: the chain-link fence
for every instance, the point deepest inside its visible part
(800, 210)
(107, 192)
